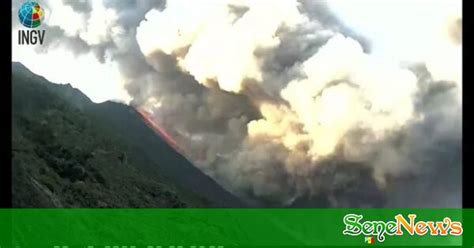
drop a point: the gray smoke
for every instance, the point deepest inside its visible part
(81, 6)
(415, 164)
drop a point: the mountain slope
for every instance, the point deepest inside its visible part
(70, 152)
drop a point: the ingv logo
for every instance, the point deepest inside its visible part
(31, 15)
(354, 226)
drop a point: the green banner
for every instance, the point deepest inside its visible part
(199, 228)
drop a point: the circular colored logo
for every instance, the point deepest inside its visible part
(31, 14)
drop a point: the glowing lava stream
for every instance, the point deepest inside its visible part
(160, 131)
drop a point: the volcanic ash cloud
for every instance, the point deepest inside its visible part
(273, 96)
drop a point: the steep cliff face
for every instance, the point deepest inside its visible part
(71, 152)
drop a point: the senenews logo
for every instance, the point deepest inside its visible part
(31, 15)
(355, 226)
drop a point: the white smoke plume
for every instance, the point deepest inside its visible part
(282, 103)
(341, 102)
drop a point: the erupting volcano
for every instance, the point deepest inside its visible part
(160, 131)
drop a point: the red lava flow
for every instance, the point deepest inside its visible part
(159, 130)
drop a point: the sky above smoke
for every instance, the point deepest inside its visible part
(353, 103)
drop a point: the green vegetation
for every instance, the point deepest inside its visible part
(62, 157)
